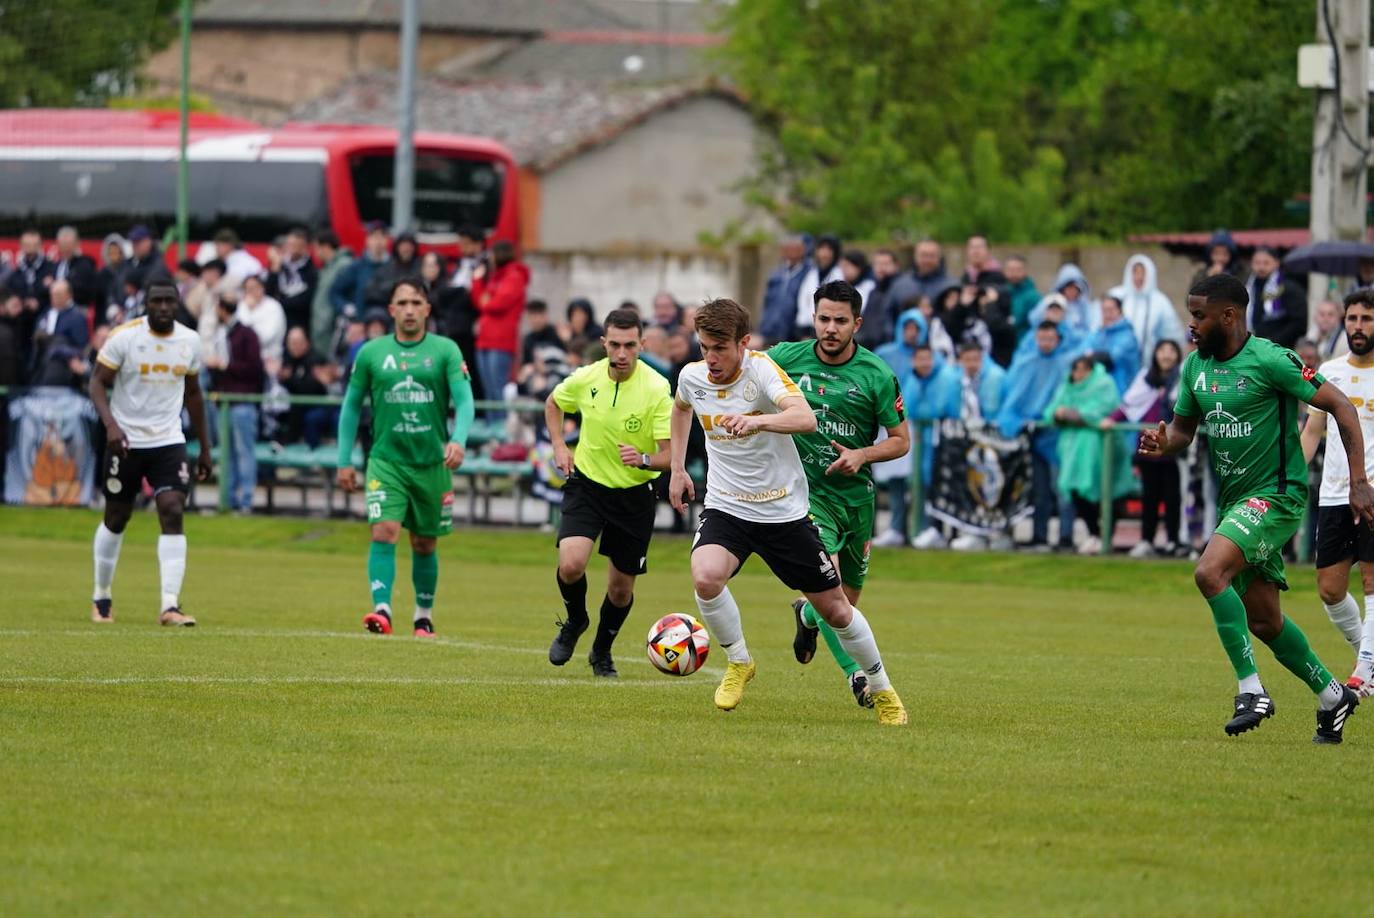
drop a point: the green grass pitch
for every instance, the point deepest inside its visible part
(1065, 753)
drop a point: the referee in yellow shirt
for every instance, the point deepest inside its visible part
(625, 407)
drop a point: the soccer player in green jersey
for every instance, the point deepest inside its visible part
(625, 406)
(412, 377)
(1245, 389)
(853, 392)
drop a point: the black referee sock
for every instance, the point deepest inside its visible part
(612, 617)
(574, 599)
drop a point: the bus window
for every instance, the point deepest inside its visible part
(449, 191)
(261, 200)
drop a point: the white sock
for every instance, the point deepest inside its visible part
(1251, 685)
(858, 642)
(722, 620)
(171, 560)
(422, 612)
(1330, 696)
(1364, 664)
(106, 551)
(1345, 615)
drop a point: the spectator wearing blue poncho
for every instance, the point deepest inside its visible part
(1080, 314)
(911, 332)
(1031, 383)
(1115, 345)
(930, 394)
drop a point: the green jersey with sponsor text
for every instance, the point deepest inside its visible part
(852, 401)
(411, 386)
(1248, 408)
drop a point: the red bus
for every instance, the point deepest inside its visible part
(104, 171)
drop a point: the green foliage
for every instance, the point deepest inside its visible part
(77, 52)
(1073, 116)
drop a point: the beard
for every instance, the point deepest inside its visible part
(1360, 346)
(1210, 345)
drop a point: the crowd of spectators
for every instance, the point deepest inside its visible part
(988, 346)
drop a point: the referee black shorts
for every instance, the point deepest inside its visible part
(793, 551)
(1339, 539)
(622, 517)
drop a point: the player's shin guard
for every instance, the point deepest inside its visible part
(1292, 650)
(612, 618)
(381, 572)
(722, 620)
(1345, 615)
(574, 600)
(858, 641)
(171, 560)
(845, 661)
(424, 574)
(106, 552)
(1228, 613)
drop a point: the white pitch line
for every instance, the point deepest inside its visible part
(322, 680)
(107, 631)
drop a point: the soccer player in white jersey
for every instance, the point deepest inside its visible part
(152, 363)
(757, 499)
(1340, 541)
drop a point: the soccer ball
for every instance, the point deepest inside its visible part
(678, 644)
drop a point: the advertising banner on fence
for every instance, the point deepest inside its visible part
(51, 460)
(981, 480)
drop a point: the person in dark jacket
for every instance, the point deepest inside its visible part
(33, 272)
(145, 261)
(404, 262)
(891, 288)
(110, 279)
(236, 366)
(76, 269)
(1223, 257)
(1278, 306)
(292, 276)
(348, 293)
(305, 372)
(61, 326)
(780, 293)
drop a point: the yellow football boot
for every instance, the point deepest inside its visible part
(731, 688)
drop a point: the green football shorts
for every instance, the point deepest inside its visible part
(845, 532)
(1260, 527)
(419, 497)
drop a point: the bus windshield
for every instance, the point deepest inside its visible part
(261, 200)
(450, 191)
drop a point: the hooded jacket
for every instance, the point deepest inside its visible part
(780, 300)
(1117, 342)
(500, 300)
(896, 352)
(1031, 384)
(1080, 314)
(930, 398)
(1149, 311)
(992, 383)
(1024, 297)
(1080, 446)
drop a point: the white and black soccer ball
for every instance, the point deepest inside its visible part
(678, 644)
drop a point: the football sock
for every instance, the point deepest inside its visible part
(1251, 685)
(171, 561)
(381, 572)
(1345, 615)
(612, 617)
(1228, 613)
(106, 551)
(722, 620)
(424, 574)
(858, 641)
(1292, 650)
(574, 599)
(1364, 666)
(813, 619)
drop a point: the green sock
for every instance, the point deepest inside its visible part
(1228, 612)
(1293, 651)
(424, 573)
(814, 620)
(381, 571)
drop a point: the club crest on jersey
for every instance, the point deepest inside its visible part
(751, 390)
(633, 424)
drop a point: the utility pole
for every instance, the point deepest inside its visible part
(403, 199)
(1338, 68)
(183, 166)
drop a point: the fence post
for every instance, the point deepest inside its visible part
(916, 509)
(222, 422)
(1105, 514)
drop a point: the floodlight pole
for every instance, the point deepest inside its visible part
(1339, 168)
(183, 167)
(403, 200)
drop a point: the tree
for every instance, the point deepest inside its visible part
(1024, 119)
(69, 52)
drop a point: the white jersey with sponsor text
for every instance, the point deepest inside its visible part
(150, 380)
(1357, 383)
(758, 476)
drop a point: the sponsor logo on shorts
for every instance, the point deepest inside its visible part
(114, 485)
(1258, 503)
